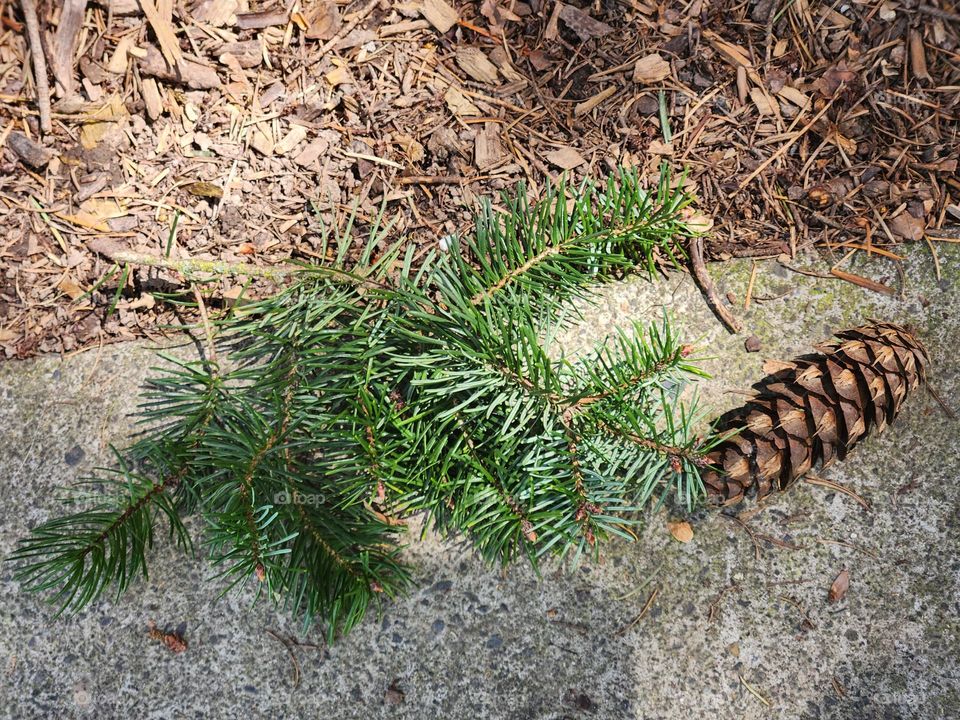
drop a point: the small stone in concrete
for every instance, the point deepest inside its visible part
(74, 456)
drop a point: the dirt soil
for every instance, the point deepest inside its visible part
(235, 130)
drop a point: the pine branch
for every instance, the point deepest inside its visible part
(372, 388)
(554, 252)
(79, 556)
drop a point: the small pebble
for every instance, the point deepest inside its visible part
(74, 455)
(752, 344)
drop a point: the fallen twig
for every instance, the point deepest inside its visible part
(432, 180)
(863, 282)
(798, 606)
(39, 63)
(65, 44)
(699, 269)
(293, 657)
(827, 541)
(712, 614)
(750, 533)
(192, 265)
(938, 13)
(947, 233)
(943, 405)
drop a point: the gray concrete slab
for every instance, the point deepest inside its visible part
(473, 642)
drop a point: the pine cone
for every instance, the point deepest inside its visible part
(814, 410)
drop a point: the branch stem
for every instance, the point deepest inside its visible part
(659, 447)
(276, 273)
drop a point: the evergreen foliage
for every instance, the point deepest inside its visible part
(371, 389)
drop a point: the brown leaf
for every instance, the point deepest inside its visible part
(582, 24)
(657, 147)
(696, 222)
(324, 21)
(566, 158)
(907, 226)
(540, 60)
(830, 82)
(651, 69)
(204, 189)
(70, 287)
(840, 586)
(681, 531)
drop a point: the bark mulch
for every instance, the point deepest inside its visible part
(233, 130)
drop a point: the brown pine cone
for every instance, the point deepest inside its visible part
(814, 410)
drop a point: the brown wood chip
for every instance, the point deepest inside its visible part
(440, 14)
(29, 151)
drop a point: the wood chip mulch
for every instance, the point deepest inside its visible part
(233, 130)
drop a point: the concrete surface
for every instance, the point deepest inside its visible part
(472, 642)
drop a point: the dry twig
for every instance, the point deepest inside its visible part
(39, 64)
(699, 269)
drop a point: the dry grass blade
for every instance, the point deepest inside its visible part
(646, 608)
(812, 479)
(754, 691)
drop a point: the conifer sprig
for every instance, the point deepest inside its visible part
(372, 388)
